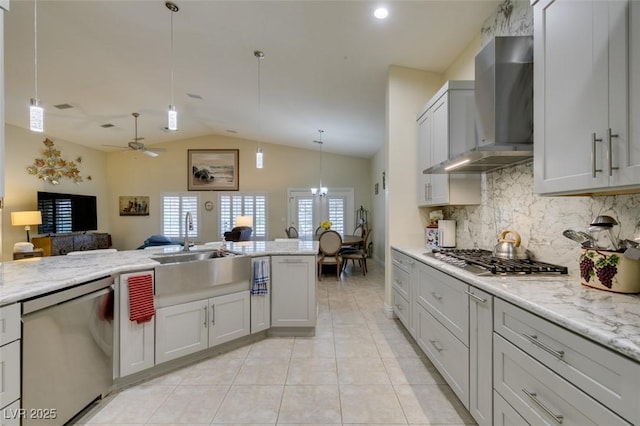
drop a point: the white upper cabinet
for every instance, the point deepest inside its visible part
(585, 63)
(445, 129)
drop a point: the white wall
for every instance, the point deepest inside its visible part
(22, 147)
(131, 173)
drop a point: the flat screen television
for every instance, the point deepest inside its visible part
(65, 213)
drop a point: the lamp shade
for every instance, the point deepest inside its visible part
(244, 221)
(26, 218)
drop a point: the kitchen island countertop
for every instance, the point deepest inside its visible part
(611, 319)
(24, 279)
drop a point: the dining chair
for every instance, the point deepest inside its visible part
(359, 254)
(319, 230)
(330, 243)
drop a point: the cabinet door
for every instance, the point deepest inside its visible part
(424, 157)
(630, 153)
(293, 300)
(137, 341)
(9, 373)
(480, 356)
(181, 330)
(575, 82)
(10, 415)
(229, 317)
(439, 188)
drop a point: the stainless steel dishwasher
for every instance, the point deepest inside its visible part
(67, 351)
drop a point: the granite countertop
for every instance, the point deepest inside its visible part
(24, 279)
(611, 319)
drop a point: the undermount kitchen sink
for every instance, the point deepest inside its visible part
(191, 256)
(189, 272)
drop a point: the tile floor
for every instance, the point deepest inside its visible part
(360, 368)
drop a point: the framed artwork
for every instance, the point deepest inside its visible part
(134, 205)
(213, 170)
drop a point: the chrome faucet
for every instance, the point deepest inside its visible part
(188, 226)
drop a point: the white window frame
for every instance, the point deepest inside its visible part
(320, 206)
(188, 201)
(226, 221)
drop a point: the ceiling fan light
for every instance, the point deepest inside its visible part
(172, 118)
(36, 116)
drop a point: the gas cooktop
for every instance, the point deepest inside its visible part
(483, 262)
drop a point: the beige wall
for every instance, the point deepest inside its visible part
(463, 68)
(131, 173)
(407, 92)
(22, 147)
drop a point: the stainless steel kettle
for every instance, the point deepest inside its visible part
(510, 248)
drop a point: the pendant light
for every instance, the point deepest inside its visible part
(259, 156)
(320, 190)
(36, 113)
(172, 114)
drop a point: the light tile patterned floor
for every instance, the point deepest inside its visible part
(360, 368)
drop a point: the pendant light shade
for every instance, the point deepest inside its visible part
(259, 156)
(320, 190)
(172, 114)
(36, 113)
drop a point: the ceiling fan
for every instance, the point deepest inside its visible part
(136, 145)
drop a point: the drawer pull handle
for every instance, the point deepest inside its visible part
(436, 295)
(213, 315)
(534, 397)
(478, 299)
(435, 345)
(534, 339)
(206, 317)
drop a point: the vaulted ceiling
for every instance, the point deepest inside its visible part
(325, 66)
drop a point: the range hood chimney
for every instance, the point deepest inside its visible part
(504, 108)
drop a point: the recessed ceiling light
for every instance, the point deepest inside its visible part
(381, 13)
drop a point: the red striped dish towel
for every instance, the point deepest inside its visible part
(141, 308)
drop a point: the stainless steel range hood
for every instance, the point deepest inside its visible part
(504, 109)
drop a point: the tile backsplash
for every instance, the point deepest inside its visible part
(508, 202)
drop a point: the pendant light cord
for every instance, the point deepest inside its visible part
(172, 87)
(259, 55)
(35, 45)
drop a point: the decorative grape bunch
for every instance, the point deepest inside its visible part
(605, 267)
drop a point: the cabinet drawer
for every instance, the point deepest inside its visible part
(608, 377)
(10, 329)
(401, 307)
(9, 373)
(445, 298)
(504, 414)
(540, 395)
(401, 281)
(446, 352)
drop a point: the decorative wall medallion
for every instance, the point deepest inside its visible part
(52, 167)
(208, 206)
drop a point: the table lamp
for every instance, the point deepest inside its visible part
(244, 221)
(26, 219)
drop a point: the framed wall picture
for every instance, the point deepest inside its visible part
(134, 205)
(213, 170)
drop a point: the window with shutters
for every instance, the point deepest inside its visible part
(175, 207)
(243, 204)
(307, 211)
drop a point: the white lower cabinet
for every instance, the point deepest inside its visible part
(11, 415)
(9, 373)
(293, 296)
(480, 356)
(539, 395)
(181, 330)
(504, 414)
(194, 326)
(260, 303)
(137, 340)
(405, 278)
